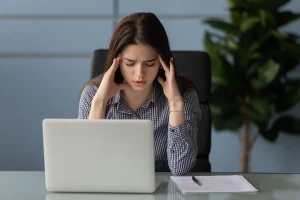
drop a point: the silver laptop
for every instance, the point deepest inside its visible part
(99, 155)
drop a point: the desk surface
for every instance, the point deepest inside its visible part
(31, 185)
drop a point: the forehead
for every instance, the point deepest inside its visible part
(135, 51)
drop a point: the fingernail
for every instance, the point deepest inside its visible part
(172, 59)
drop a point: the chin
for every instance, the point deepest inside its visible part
(138, 88)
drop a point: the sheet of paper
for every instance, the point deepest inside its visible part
(223, 183)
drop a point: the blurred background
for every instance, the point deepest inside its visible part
(45, 54)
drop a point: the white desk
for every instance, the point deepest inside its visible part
(31, 186)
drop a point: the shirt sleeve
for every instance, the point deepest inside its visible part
(85, 101)
(182, 140)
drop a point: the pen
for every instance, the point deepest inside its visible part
(196, 181)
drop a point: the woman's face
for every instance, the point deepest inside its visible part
(139, 66)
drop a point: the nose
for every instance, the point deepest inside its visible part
(139, 72)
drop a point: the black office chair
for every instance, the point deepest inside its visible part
(196, 66)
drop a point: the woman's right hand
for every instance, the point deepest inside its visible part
(108, 88)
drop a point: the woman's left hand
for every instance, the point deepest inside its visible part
(170, 86)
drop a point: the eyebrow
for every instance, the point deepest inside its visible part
(151, 60)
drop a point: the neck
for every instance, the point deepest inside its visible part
(135, 97)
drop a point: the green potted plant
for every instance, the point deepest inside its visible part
(252, 61)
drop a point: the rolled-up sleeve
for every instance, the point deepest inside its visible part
(85, 101)
(182, 140)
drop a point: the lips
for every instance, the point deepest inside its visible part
(139, 83)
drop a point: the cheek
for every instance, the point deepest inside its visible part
(122, 68)
(153, 71)
(125, 71)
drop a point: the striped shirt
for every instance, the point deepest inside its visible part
(175, 147)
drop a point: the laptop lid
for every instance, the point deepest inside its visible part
(99, 155)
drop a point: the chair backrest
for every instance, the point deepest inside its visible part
(196, 66)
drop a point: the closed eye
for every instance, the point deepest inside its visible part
(132, 64)
(150, 65)
(129, 64)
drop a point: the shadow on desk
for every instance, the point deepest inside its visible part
(166, 190)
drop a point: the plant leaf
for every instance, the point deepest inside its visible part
(225, 108)
(225, 44)
(223, 26)
(236, 18)
(234, 3)
(226, 121)
(293, 37)
(213, 50)
(258, 58)
(279, 35)
(222, 71)
(265, 74)
(289, 97)
(249, 23)
(283, 18)
(288, 124)
(270, 135)
(268, 4)
(224, 96)
(257, 110)
(291, 48)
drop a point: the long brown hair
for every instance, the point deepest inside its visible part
(140, 28)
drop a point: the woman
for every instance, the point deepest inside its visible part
(140, 82)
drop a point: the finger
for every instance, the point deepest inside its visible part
(160, 80)
(171, 66)
(111, 69)
(114, 66)
(163, 64)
